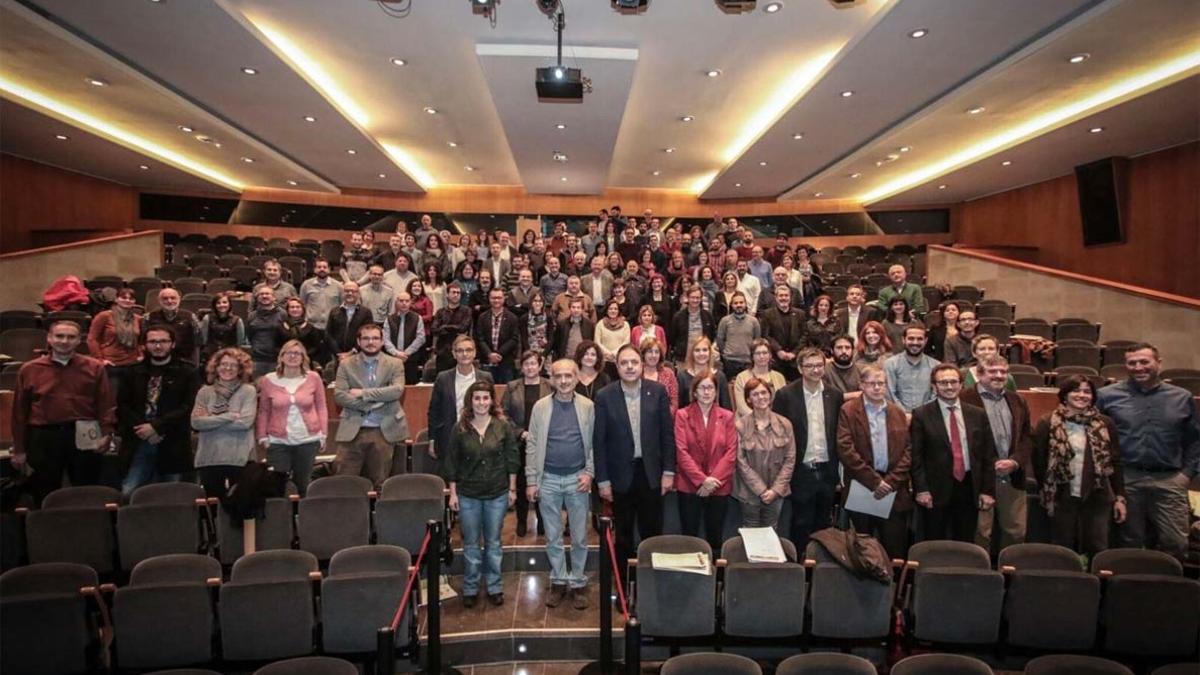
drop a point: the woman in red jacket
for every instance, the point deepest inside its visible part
(705, 456)
(292, 417)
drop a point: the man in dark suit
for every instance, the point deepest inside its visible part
(446, 399)
(634, 446)
(677, 334)
(341, 328)
(498, 338)
(813, 410)
(783, 328)
(856, 314)
(954, 460)
(1008, 415)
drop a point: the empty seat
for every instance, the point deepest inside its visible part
(762, 599)
(266, 609)
(1000, 329)
(1191, 384)
(1074, 664)
(405, 504)
(273, 530)
(836, 293)
(826, 663)
(172, 271)
(1170, 373)
(1076, 331)
(196, 302)
(186, 285)
(202, 259)
(207, 271)
(710, 663)
(1051, 602)
(222, 285)
(361, 593)
(161, 518)
(845, 606)
(971, 294)
(47, 627)
(1072, 354)
(1028, 380)
(143, 285)
(1117, 561)
(672, 604)
(75, 524)
(256, 242)
(22, 344)
(335, 514)
(19, 318)
(933, 296)
(956, 596)
(229, 260)
(1151, 615)
(1114, 351)
(1113, 371)
(246, 276)
(164, 617)
(1033, 326)
(941, 664)
(309, 665)
(279, 242)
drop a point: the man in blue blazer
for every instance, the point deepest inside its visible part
(634, 447)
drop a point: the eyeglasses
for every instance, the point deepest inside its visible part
(293, 354)
(813, 366)
(872, 383)
(948, 383)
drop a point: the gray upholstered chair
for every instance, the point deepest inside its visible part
(1051, 602)
(361, 594)
(164, 617)
(272, 531)
(266, 609)
(956, 597)
(843, 606)
(710, 663)
(47, 629)
(1041, 557)
(826, 663)
(762, 599)
(1178, 669)
(1116, 561)
(309, 665)
(941, 664)
(1151, 615)
(335, 514)
(75, 524)
(674, 604)
(161, 518)
(1074, 664)
(405, 504)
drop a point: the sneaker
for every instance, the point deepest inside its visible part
(496, 599)
(580, 598)
(470, 600)
(558, 593)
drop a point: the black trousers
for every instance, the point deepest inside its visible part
(1081, 524)
(216, 479)
(50, 450)
(958, 519)
(694, 509)
(813, 492)
(641, 504)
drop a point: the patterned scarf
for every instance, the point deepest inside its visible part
(125, 326)
(224, 391)
(1058, 469)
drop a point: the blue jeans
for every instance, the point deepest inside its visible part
(554, 494)
(484, 517)
(142, 470)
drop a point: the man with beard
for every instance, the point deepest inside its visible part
(735, 332)
(448, 323)
(369, 389)
(909, 371)
(783, 327)
(690, 324)
(320, 293)
(263, 331)
(272, 274)
(841, 372)
(553, 281)
(182, 323)
(376, 295)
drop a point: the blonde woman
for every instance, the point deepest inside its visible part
(292, 415)
(702, 357)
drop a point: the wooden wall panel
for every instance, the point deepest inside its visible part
(1162, 232)
(66, 206)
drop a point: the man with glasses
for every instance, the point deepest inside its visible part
(446, 400)
(154, 414)
(183, 324)
(953, 460)
(957, 348)
(370, 389)
(813, 409)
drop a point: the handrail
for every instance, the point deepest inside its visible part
(78, 244)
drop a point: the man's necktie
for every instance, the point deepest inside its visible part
(956, 449)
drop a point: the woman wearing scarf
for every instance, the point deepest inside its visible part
(223, 416)
(612, 333)
(536, 326)
(221, 328)
(1078, 466)
(295, 326)
(113, 339)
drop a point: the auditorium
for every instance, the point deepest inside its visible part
(692, 337)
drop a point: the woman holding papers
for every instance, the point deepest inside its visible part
(706, 448)
(766, 457)
(875, 449)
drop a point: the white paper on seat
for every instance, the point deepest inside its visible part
(692, 563)
(762, 544)
(862, 500)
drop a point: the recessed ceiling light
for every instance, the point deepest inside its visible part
(737, 185)
(763, 163)
(563, 179)
(452, 144)
(1096, 130)
(95, 82)
(715, 72)
(1006, 162)
(247, 70)
(818, 194)
(351, 151)
(668, 150)
(292, 183)
(919, 33)
(248, 160)
(773, 7)
(1080, 57)
(397, 61)
(976, 110)
(431, 110)
(61, 137)
(383, 175)
(309, 118)
(186, 129)
(560, 126)
(905, 148)
(656, 172)
(558, 156)
(796, 137)
(143, 167)
(469, 167)
(848, 93)
(856, 175)
(686, 118)
(942, 187)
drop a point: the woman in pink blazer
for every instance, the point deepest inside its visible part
(292, 417)
(705, 456)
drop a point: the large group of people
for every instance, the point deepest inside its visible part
(637, 361)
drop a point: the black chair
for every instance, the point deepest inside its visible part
(273, 529)
(8, 376)
(172, 271)
(674, 605)
(335, 514)
(956, 598)
(245, 276)
(196, 302)
(1028, 380)
(186, 285)
(48, 626)
(406, 502)
(843, 605)
(1178, 669)
(256, 242)
(230, 260)
(164, 616)
(105, 281)
(1076, 329)
(1113, 371)
(143, 285)
(971, 294)
(1074, 664)
(941, 664)
(1117, 561)
(222, 285)
(933, 296)
(1171, 373)
(1051, 602)
(1087, 371)
(160, 519)
(309, 665)
(202, 260)
(762, 600)
(1033, 326)
(22, 344)
(1192, 384)
(1151, 615)
(207, 271)
(360, 594)
(75, 524)
(710, 663)
(281, 581)
(1114, 351)
(995, 309)
(997, 328)
(19, 318)
(826, 663)
(1077, 354)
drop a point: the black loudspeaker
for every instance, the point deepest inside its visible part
(1103, 193)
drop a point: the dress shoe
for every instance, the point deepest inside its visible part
(496, 599)
(470, 600)
(558, 593)
(580, 598)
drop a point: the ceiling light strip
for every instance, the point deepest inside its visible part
(95, 125)
(1129, 88)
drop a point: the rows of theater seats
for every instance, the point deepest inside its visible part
(826, 663)
(1132, 604)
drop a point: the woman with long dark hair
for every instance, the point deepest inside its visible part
(873, 343)
(295, 326)
(895, 321)
(114, 339)
(220, 328)
(537, 326)
(592, 377)
(822, 325)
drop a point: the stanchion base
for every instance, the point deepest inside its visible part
(597, 668)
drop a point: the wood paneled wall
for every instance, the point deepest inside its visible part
(1162, 233)
(42, 205)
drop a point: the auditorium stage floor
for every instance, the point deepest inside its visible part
(508, 534)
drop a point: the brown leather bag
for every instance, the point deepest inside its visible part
(861, 554)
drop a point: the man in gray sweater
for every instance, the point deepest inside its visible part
(734, 335)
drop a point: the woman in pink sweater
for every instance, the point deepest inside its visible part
(292, 417)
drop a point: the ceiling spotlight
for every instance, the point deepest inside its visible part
(452, 144)
(818, 194)
(905, 148)
(186, 129)
(248, 160)
(95, 82)
(430, 110)
(1079, 58)
(686, 118)
(856, 175)
(143, 167)
(351, 151)
(737, 185)
(655, 172)
(668, 150)
(469, 167)
(773, 7)
(309, 118)
(847, 94)
(383, 175)
(714, 73)
(247, 70)
(942, 187)
(797, 137)
(559, 156)
(1006, 163)
(292, 183)
(560, 126)
(397, 61)
(763, 163)
(563, 179)
(1096, 130)
(61, 137)
(919, 33)
(976, 110)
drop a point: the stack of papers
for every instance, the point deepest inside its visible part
(692, 563)
(762, 545)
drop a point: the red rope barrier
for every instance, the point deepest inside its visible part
(612, 554)
(413, 574)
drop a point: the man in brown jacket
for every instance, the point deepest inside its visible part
(1009, 417)
(874, 448)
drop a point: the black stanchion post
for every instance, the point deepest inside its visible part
(433, 599)
(385, 651)
(605, 665)
(633, 645)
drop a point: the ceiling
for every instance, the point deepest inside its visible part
(327, 109)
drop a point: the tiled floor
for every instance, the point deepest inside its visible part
(508, 534)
